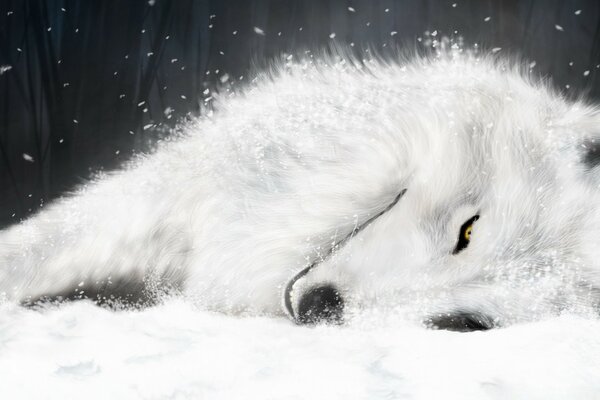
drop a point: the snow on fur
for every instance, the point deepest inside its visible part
(232, 211)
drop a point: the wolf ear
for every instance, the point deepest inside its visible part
(590, 160)
(591, 153)
(579, 132)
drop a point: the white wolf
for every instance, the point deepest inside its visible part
(453, 186)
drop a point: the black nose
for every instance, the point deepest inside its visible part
(320, 304)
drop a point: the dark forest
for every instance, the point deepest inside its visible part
(86, 84)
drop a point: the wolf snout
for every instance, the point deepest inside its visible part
(322, 304)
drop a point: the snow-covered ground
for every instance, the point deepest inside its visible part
(174, 351)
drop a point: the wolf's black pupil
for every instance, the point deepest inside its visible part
(464, 235)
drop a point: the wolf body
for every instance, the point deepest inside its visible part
(352, 177)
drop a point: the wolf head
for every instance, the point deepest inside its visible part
(482, 193)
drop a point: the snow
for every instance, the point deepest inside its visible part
(176, 351)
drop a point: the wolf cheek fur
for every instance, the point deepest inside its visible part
(284, 174)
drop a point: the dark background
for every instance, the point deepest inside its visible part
(84, 84)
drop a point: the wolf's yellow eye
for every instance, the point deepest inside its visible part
(468, 232)
(464, 236)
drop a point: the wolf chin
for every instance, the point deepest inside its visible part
(453, 189)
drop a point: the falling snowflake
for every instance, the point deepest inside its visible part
(5, 68)
(259, 31)
(27, 157)
(559, 28)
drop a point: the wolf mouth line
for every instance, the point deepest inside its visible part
(313, 316)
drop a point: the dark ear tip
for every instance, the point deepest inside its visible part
(591, 157)
(321, 304)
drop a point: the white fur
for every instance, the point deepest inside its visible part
(282, 171)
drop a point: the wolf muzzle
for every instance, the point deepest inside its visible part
(324, 303)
